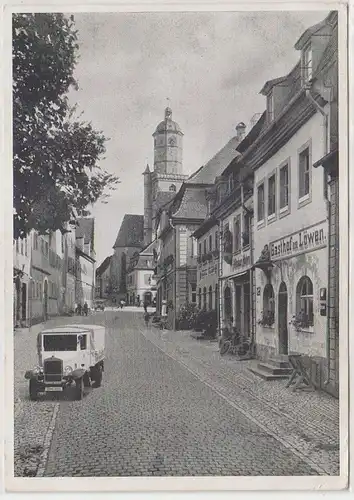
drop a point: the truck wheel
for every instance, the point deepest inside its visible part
(33, 390)
(87, 382)
(79, 388)
(97, 375)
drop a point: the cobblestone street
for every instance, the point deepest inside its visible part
(169, 405)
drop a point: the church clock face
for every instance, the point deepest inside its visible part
(172, 141)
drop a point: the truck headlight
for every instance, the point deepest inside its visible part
(68, 370)
(37, 370)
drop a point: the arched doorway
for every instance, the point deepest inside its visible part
(45, 299)
(283, 318)
(24, 302)
(147, 298)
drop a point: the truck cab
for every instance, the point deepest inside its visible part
(68, 355)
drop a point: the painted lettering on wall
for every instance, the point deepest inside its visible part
(308, 239)
(239, 262)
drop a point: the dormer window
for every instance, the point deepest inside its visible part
(172, 188)
(307, 64)
(270, 107)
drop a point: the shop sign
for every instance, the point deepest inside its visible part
(241, 262)
(306, 240)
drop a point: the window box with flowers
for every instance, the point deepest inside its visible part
(302, 322)
(267, 319)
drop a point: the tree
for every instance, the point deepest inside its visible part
(56, 155)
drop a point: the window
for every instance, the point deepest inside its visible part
(237, 233)
(304, 302)
(231, 183)
(304, 173)
(270, 106)
(194, 293)
(307, 64)
(210, 243)
(216, 297)
(35, 241)
(26, 242)
(172, 188)
(200, 249)
(83, 342)
(210, 298)
(260, 203)
(268, 306)
(246, 230)
(216, 240)
(17, 246)
(284, 187)
(205, 246)
(200, 298)
(271, 195)
(193, 246)
(204, 298)
(21, 246)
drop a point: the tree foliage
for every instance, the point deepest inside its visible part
(56, 155)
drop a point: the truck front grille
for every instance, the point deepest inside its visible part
(53, 370)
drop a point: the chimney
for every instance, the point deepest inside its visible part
(240, 129)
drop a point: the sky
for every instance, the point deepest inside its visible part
(211, 66)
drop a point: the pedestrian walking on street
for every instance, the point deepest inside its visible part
(147, 319)
(145, 306)
(122, 304)
(79, 310)
(85, 309)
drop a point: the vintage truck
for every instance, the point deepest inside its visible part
(68, 355)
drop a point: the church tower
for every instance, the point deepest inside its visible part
(161, 185)
(168, 146)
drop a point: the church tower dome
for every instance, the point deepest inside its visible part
(168, 125)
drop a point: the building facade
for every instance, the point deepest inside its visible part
(129, 241)
(22, 249)
(292, 247)
(207, 236)
(141, 284)
(103, 280)
(46, 276)
(85, 262)
(176, 254)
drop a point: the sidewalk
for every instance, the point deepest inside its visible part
(306, 422)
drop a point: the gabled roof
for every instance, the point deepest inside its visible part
(253, 133)
(193, 204)
(163, 198)
(267, 87)
(305, 37)
(217, 164)
(104, 266)
(131, 232)
(85, 229)
(149, 249)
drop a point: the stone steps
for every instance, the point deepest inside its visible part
(275, 368)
